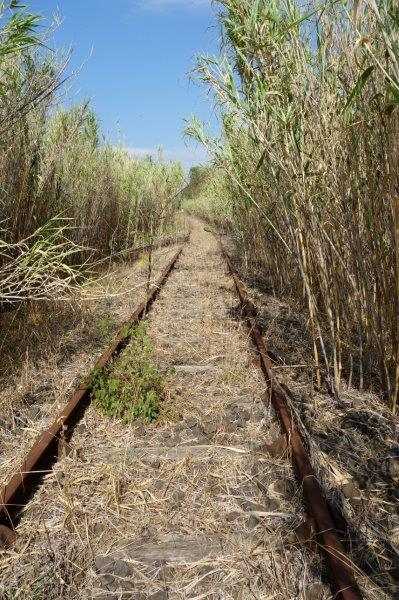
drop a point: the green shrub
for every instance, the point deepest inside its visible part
(133, 387)
(106, 326)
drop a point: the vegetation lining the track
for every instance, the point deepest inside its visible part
(308, 96)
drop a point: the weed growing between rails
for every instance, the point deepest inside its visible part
(45, 450)
(132, 388)
(308, 103)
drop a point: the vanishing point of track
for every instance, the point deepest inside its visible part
(45, 451)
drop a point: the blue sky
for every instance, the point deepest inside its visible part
(134, 57)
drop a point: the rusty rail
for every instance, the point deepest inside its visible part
(341, 568)
(135, 253)
(132, 254)
(44, 452)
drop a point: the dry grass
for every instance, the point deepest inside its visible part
(47, 351)
(195, 485)
(353, 441)
(189, 507)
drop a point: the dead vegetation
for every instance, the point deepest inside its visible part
(305, 170)
(353, 442)
(42, 365)
(187, 506)
(191, 505)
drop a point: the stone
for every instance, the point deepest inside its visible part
(268, 505)
(352, 493)
(273, 430)
(240, 414)
(231, 427)
(283, 487)
(249, 505)
(107, 565)
(209, 426)
(230, 417)
(160, 595)
(395, 494)
(35, 412)
(261, 479)
(158, 485)
(395, 535)
(140, 431)
(171, 439)
(199, 433)
(256, 446)
(191, 422)
(80, 428)
(177, 498)
(28, 399)
(113, 573)
(7, 537)
(232, 516)
(393, 468)
(258, 414)
(253, 522)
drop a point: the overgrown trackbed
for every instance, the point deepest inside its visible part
(189, 507)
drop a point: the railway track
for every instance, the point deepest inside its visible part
(327, 532)
(136, 253)
(328, 536)
(44, 452)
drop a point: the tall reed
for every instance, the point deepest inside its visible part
(66, 197)
(309, 111)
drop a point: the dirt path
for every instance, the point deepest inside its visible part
(189, 507)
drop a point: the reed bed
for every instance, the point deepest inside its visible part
(67, 198)
(308, 101)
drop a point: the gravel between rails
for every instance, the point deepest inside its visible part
(188, 507)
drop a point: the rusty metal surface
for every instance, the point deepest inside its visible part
(135, 253)
(342, 569)
(132, 254)
(43, 454)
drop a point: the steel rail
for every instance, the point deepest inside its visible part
(135, 253)
(44, 452)
(341, 567)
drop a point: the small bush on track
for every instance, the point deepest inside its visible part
(133, 387)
